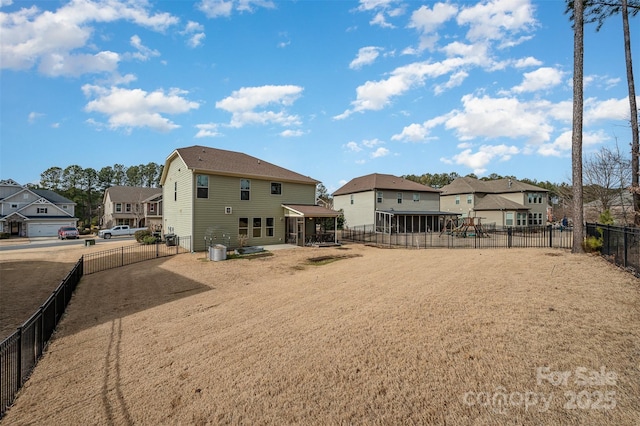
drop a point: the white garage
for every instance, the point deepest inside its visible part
(46, 229)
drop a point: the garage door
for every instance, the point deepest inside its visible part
(43, 230)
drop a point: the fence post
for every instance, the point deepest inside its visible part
(19, 362)
(625, 246)
(550, 229)
(509, 237)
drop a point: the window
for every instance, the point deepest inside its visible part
(243, 226)
(175, 191)
(379, 196)
(509, 219)
(521, 219)
(535, 198)
(351, 198)
(42, 210)
(276, 188)
(416, 197)
(269, 226)
(152, 207)
(128, 208)
(457, 199)
(245, 189)
(257, 227)
(118, 208)
(530, 218)
(469, 199)
(202, 186)
(399, 197)
(14, 206)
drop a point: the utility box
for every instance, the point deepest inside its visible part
(170, 239)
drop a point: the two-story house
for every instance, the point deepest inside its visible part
(505, 202)
(393, 204)
(26, 212)
(233, 198)
(134, 206)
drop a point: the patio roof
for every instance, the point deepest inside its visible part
(309, 210)
(414, 212)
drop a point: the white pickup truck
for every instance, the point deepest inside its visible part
(117, 231)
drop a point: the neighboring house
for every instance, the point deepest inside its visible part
(620, 207)
(393, 204)
(226, 197)
(133, 206)
(32, 213)
(505, 202)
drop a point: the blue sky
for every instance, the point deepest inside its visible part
(329, 89)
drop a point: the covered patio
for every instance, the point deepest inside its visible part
(310, 225)
(410, 222)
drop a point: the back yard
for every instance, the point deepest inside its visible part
(364, 335)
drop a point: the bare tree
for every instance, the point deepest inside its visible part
(607, 175)
(576, 139)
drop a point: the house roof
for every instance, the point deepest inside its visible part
(122, 194)
(311, 210)
(469, 185)
(497, 202)
(222, 162)
(51, 196)
(381, 181)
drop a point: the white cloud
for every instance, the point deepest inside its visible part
(372, 143)
(541, 79)
(195, 33)
(380, 152)
(561, 146)
(418, 132)
(291, 133)
(352, 146)
(610, 109)
(479, 160)
(53, 39)
(382, 9)
(208, 130)
(243, 103)
(427, 21)
(224, 8)
(33, 116)
(129, 109)
(143, 52)
(498, 20)
(529, 61)
(366, 56)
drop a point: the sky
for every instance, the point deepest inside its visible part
(329, 89)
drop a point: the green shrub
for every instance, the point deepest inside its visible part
(592, 244)
(149, 239)
(4, 235)
(141, 235)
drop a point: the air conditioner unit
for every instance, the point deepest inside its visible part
(228, 210)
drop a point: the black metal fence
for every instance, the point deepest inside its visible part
(126, 255)
(485, 237)
(20, 351)
(620, 245)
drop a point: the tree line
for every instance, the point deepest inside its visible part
(86, 186)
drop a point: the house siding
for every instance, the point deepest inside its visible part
(224, 191)
(361, 212)
(428, 201)
(178, 212)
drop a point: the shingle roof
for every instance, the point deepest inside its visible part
(52, 197)
(381, 181)
(469, 185)
(120, 194)
(219, 161)
(311, 210)
(497, 202)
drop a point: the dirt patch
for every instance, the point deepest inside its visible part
(389, 336)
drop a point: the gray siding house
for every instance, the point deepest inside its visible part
(134, 206)
(505, 202)
(225, 197)
(26, 212)
(391, 203)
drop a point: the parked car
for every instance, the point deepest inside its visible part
(67, 232)
(117, 231)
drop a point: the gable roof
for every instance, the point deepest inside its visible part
(469, 185)
(51, 196)
(209, 160)
(381, 181)
(497, 202)
(123, 194)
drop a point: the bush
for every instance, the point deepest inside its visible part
(149, 239)
(592, 244)
(4, 235)
(141, 235)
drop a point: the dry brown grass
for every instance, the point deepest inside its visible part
(380, 337)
